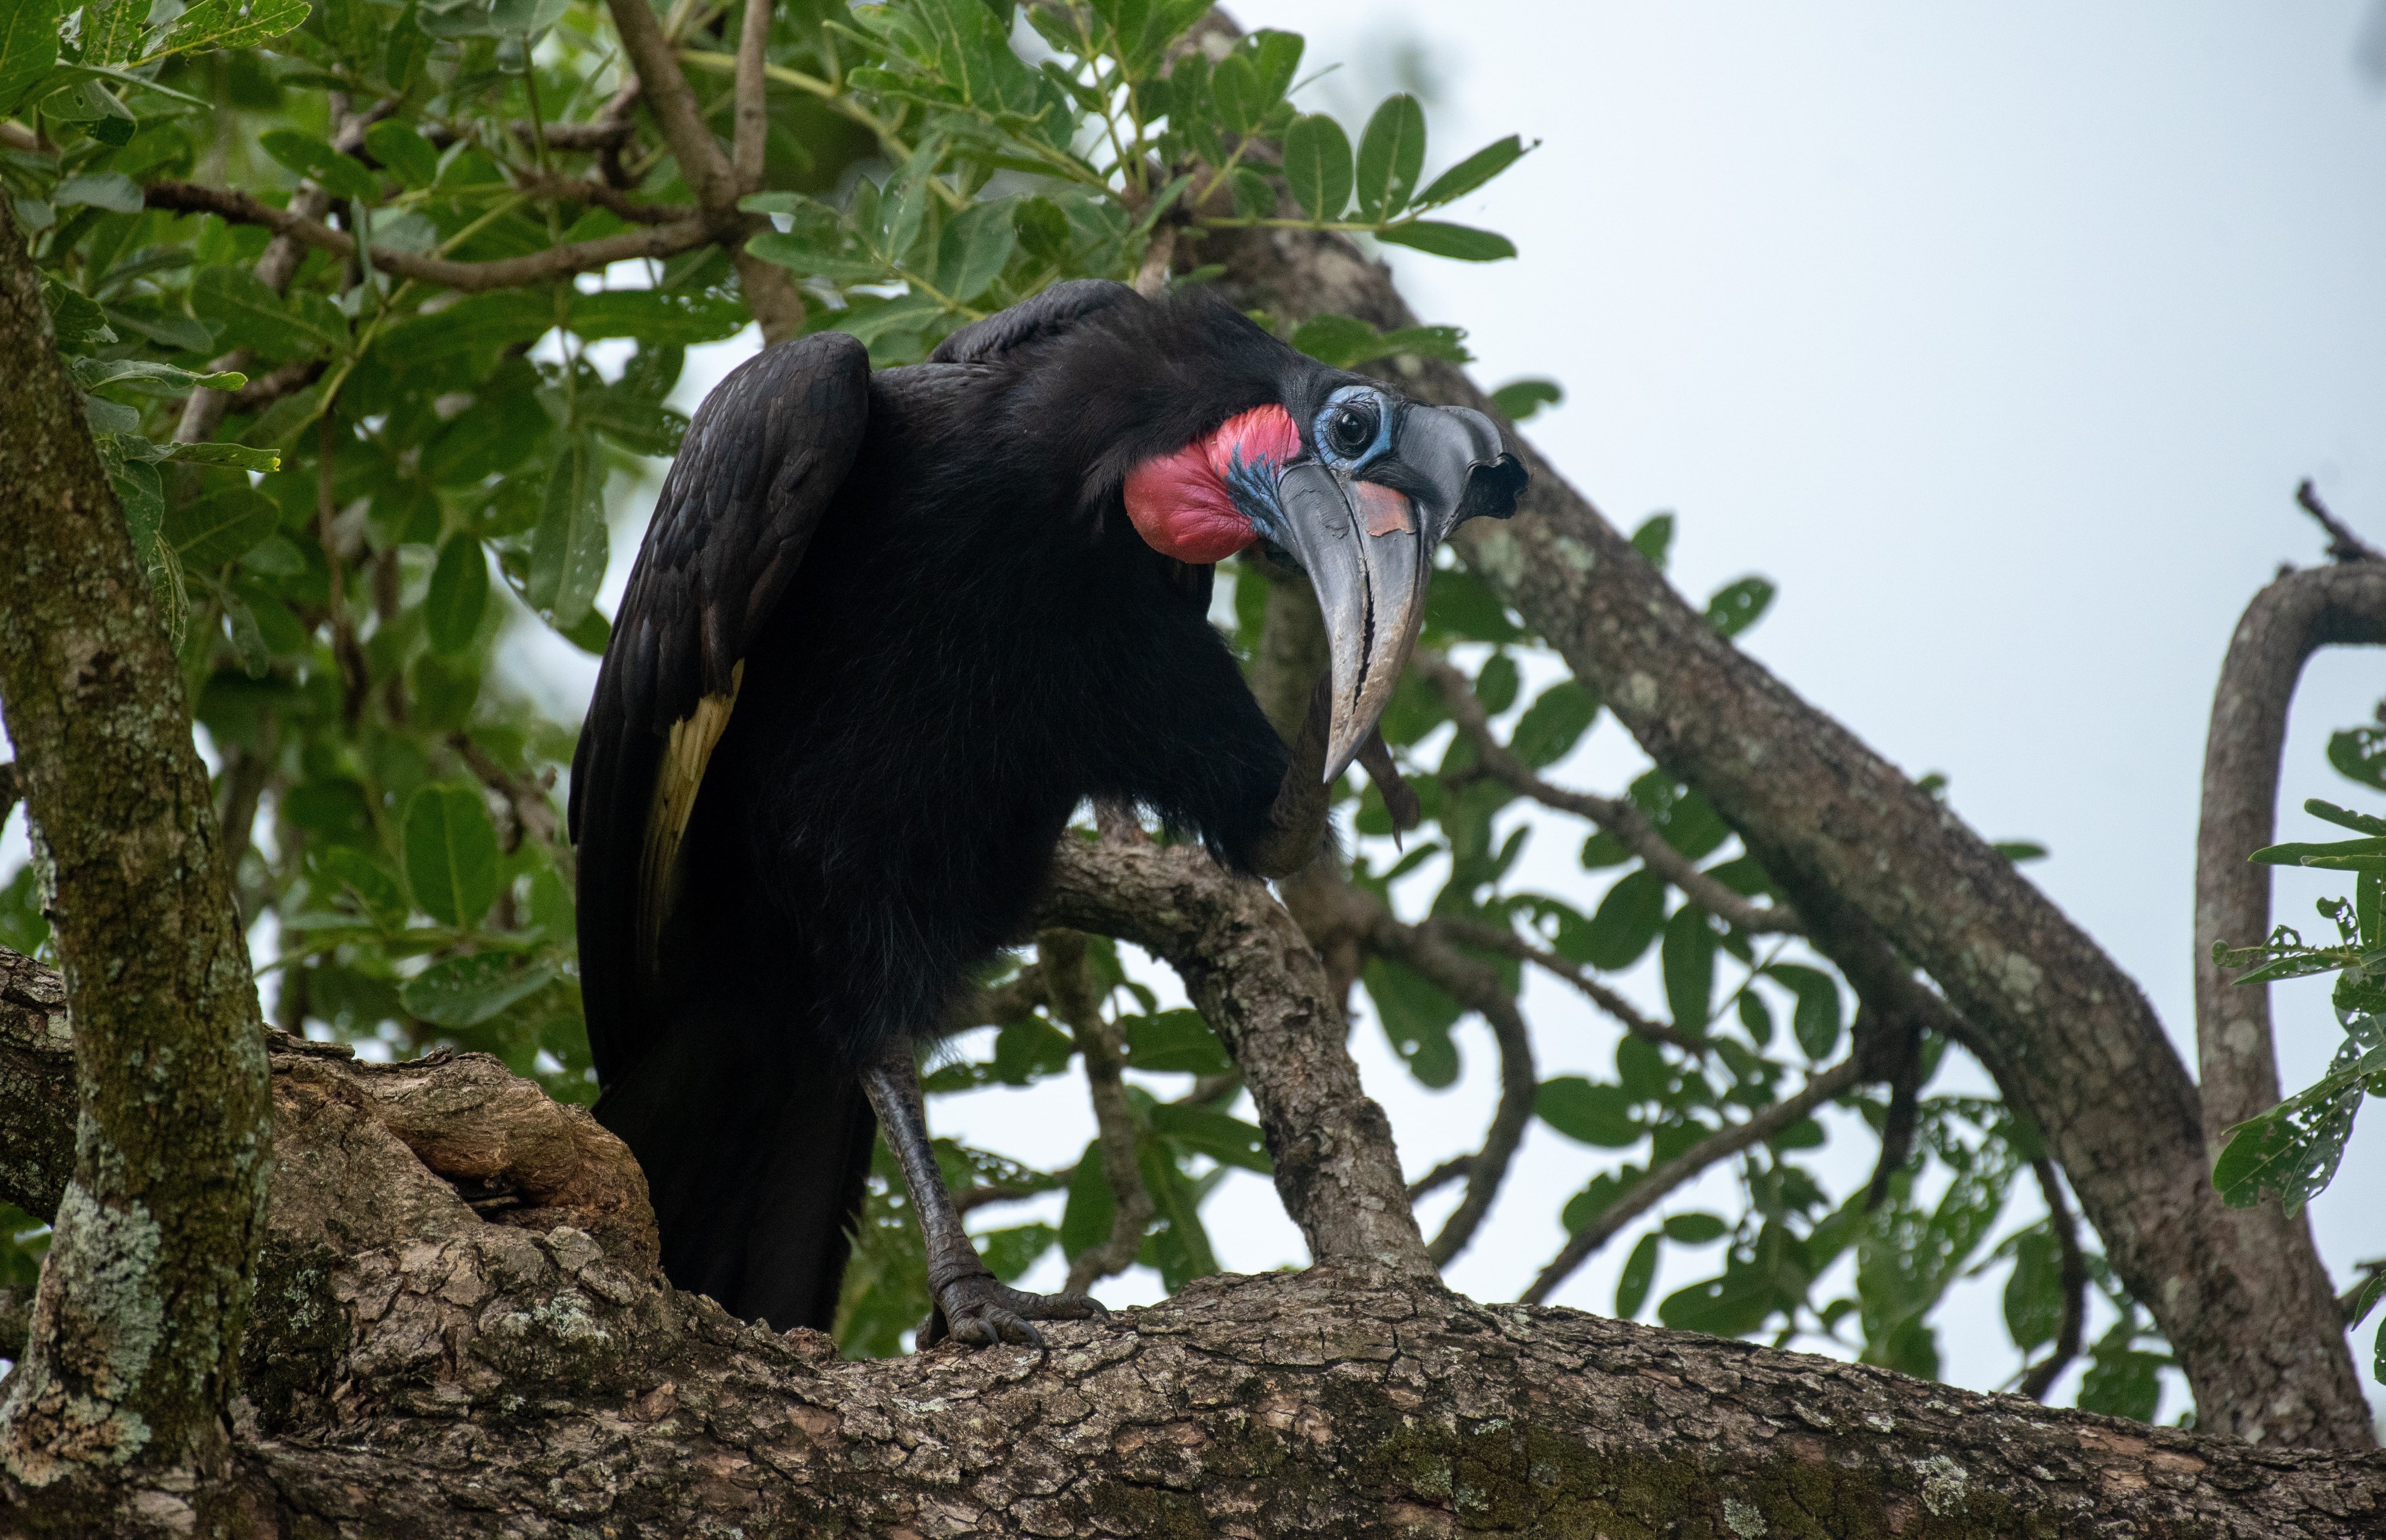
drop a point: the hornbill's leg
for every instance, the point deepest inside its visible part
(972, 1304)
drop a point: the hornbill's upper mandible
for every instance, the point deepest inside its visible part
(885, 634)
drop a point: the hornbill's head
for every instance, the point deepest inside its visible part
(1342, 473)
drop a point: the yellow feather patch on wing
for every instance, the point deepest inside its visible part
(676, 780)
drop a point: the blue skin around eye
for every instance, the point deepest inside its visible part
(1383, 426)
(1251, 484)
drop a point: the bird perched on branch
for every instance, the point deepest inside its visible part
(888, 630)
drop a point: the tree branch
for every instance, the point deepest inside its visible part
(659, 241)
(1252, 975)
(701, 164)
(2286, 622)
(2042, 1374)
(1064, 954)
(2242, 1296)
(2344, 545)
(1614, 815)
(753, 104)
(147, 1280)
(1491, 938)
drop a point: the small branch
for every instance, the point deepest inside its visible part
(1441, 1176)
(1477, 986)
(1152, 276)
(1014, 999)
(9, 792)
(701, 164)
(1073, 1002)
(263, 391)
(993, 1193)
(533, 809)
(203, 411)
(1618, 817)
(1491, 938)
(2286, 622)
(753, 108)
(2042, 1375)
(587, 190)
(659, 241)
(1725, 1143)
(2343, 543)
(16, 1321)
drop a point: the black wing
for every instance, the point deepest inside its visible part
(763, 461)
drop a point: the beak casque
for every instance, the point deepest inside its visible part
(1366, 540)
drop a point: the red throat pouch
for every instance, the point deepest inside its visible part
(1180, 503)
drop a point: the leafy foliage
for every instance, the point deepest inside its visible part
(2292, 1149)
(411, 477)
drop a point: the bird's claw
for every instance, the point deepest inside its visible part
(983, 1311)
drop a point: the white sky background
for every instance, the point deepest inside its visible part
(1998, 337)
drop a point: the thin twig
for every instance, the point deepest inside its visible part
(588, 190)
(2042, 1375)
(1614, 815)
(1074, 1003)
(533, 809)
(2343, 543)
(235, 207)
(266, 389)
(1491, 938)
(1722, 1145)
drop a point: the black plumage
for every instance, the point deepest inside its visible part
(911, 616)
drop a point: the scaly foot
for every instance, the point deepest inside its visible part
(982, 1311)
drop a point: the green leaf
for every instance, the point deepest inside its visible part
(1437, 238)
(2359, 753)
(1317, 167)
(1687, 963)
(1496, 682)
(1010, 1253)
(364, 877)
(1594, 1112)
(220, 528)
(1628, 919)
(460, 592)
(658, 318)
(1640, 1271)
(1521, 400)
(1473, 171)
(1816, 1021)
(1207, 1130)
(252, 315)
(111, 31)
(977, 245)
(77, 322)
(1554, 725)
(1175, 1042)
(229, 24)
(1737, 606)
(1392, 156)
(465, 991)
(2121, 1381)
(1416, 1018)
(29, 47)
(110, 189)
(408, 156)
(2344, 817)
(1696, 1229)
(1086, 1220)
(2293, 1148)
(451, 854)
(2338, 853)
(343, 176)
(2033, 1298)
(568, 552)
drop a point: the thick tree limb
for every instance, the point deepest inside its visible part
(2241, 1295)
(1616, 816)
(2288, 621)
(139, 1314)
(1252, 973)
(658, 240)
(424, 1364)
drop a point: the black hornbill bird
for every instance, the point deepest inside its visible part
(888, 630)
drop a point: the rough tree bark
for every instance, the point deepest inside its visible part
(513, 1365)
(139, 1312)
(2241, 1294)
(2288, 621)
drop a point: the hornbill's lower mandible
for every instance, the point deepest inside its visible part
(885, 634)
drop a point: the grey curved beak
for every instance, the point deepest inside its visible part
(1367, 544)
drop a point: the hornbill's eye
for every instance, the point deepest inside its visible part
(1350, 428)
